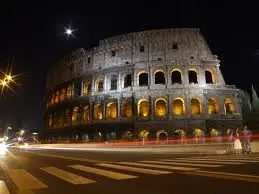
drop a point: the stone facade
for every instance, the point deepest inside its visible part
(168, 79)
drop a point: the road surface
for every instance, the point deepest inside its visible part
(70, 171)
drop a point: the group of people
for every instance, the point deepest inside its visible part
(242, 141)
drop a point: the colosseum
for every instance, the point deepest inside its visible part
(153, 84)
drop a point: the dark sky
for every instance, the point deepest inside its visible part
(32, 33)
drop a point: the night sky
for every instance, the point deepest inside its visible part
(33, 34)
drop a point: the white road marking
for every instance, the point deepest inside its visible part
(201, 162)
(24, 180)
(183, 164)
(67, 176)
(106, 173)
(159, 166)
(3, 188)
(133, 169)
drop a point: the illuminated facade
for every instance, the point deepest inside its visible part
(152, 84)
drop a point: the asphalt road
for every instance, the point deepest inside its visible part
(56, 171)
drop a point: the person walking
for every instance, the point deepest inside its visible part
(247, 140)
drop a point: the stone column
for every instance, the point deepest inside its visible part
(221, 105)
(150, 76)
(118, 108)
(151, 108)
(169, 107)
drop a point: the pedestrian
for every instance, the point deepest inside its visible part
(237, 143)
(247, 140)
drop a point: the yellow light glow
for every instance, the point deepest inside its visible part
(178, 106)
(143, 108)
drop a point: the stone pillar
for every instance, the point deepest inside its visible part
(169, 107)
(150, 76)
(185, 75)
(82, 88)
(119, 83)
(151, 108)
(221, 105)
(118, 108)
(201, 78)
(168, 76)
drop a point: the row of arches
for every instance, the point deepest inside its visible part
(110, 110)
(143, 80)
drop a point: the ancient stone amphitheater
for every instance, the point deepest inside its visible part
(153, 84)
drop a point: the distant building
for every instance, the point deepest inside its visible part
(152, 84)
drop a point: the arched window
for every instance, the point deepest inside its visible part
(62, 95)
(127, 80)
(86, 115)
(143, 79)
(98, 111)
(178, 107)
(212, 106)
(57, 97)
(99, 85)
(114, 82)
(67, 117)
(176, 77)
(161, 108)
(193, 79)
(196, 107)
(111, 110)
(87, 88)
(208, 77)
(229, 106)
(143, 108)
(75, 116)
(159, 77)
(127, 109)
(69, 92)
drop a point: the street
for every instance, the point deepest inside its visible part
(70, 171)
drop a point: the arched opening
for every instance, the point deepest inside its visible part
(98, 112)
(161, 107)
(181, 134)
(57, 97)
(176, 77)
(143, 108)
(113, 82)
(87, 88)
(161, 135)
(62, 95)
(86, 115)
(75, 116)
(143, 79)
(127, 80)
(67, 117)
(159, 77)
(212, 106)
(111, 110)
(214, 133)
(99, 85)
(229, 106)
(69, 92)
(195, 106)
(209, 78)
(178, 107)
(144, 134)
(127, 109)
(193, 78)
(127, 135)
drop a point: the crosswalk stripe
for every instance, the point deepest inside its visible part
(230, 157)
(3, 188)
(133, 169)
(67, 176)
(182, 164)
(106, 173)
(159, 166)
(223, 160)
(201, 162)
(24, 180)
(224, 175)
